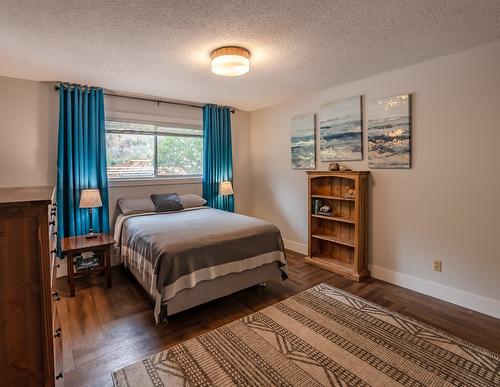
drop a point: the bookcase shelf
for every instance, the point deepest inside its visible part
(332, 197)
(334, 218)
(334, 240)
(339, 242)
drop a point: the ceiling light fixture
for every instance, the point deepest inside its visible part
(230, 61)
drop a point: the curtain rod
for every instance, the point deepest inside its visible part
(150, 99)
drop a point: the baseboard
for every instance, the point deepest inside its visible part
(295, 246)
(456, 296)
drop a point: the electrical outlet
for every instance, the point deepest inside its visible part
(438, 265)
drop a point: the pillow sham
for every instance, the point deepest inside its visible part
(135, 206)
(167, 202)
(192, 200)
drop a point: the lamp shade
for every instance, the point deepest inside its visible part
(90, 198)
(225, 188)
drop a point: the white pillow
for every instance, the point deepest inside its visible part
(192, 200)
(136, 206)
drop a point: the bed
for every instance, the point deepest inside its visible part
(188, 257)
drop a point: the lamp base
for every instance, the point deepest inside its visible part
(91, 235)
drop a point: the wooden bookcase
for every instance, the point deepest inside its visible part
(339, 242)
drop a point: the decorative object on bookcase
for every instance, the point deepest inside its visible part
(338, 242)
(389, 132)
(344, 168)
(326, 210)
(333, 166)
(303, 142)
(350, 194)
(340, 130)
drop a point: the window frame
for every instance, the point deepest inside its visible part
(155, 135)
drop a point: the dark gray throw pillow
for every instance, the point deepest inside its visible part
(167, 202)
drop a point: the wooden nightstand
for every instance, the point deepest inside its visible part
(75, 246)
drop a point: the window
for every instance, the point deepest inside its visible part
(141, 150)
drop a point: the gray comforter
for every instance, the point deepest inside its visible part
(186, 247)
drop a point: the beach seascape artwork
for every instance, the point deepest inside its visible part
(303, 142)
(340, 130)
(389, 130)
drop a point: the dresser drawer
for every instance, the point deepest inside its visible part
(54, 265)
(55, 301)
(52, 223)
(58, 348)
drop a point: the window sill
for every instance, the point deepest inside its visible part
(154, 181)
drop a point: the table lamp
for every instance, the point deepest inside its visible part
(225, 188)
(90, 198)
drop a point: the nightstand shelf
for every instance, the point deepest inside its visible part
(75, 246)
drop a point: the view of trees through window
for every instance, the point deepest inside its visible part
(180, 155)
(145, 150)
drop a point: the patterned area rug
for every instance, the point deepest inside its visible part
(320, 337)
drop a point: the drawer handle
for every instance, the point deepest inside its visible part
(52, 223)
(56, 295)
(58, 266)
(58, 332)
(59, 376)
(54, 233)
(53, 212)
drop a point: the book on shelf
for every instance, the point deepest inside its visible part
(316, 205)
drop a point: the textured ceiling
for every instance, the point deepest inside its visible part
(162, 47)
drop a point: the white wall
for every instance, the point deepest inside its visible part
(241, 162)
(28, 129)
(446, 207)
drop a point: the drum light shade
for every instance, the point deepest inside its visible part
(230, 61)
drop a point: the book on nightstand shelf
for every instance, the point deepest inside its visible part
(87, 261)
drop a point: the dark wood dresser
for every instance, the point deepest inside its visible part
(30, 332)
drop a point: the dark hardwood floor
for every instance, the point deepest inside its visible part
(106, 329)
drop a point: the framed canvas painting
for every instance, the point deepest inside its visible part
(303, 142)
(389, 132)
(340, 130)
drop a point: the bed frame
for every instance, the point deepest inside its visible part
(206, 291)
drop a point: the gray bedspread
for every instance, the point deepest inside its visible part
(185, 247)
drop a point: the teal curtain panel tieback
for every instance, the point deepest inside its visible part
(217, 156)
(81, 162)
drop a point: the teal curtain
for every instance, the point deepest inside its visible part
(81, 159)
(217, 156)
